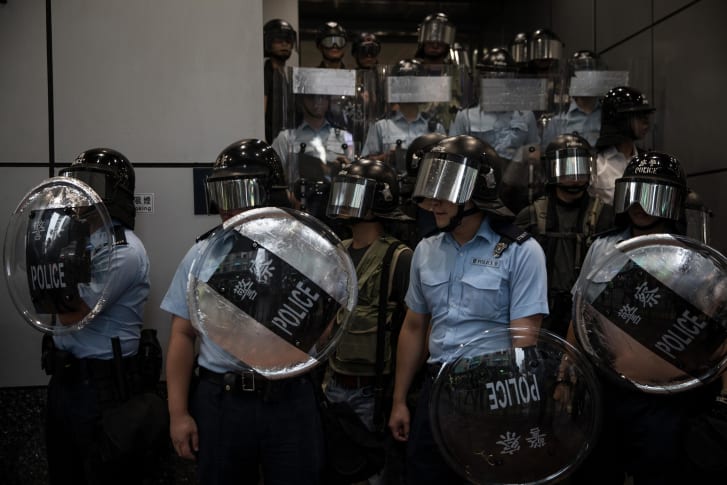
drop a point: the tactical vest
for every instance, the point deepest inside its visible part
(356, 351)
(583, 239)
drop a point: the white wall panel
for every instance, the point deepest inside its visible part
(19, 342)
(168, 80)
(23, 82)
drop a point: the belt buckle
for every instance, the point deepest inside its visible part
(247, 381)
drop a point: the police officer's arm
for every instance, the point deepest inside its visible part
(528, 290)
(75, 316)
(528, 327)
(180, 364)
(410, 355)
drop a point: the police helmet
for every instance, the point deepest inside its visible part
(417, 148)
(656, 182)
(408, 67)
(569, 158)
(111, 175)
(618, 106)
(497, 60)
(364, 185)
(461, 168)
(278, 29)
(365, 44)
(331, 34)
(544, 45)
(519, 48)
(246, 174)
(585, 60)
(436, 28)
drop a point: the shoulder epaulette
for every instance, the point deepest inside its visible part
(509, 233)
(119, 236)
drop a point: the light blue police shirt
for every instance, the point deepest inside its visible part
(127, 284)
(326, 144)
(506, 131)
(467, 290)
(575, 120)
(211, 356)
(385, 133)
(591, 271)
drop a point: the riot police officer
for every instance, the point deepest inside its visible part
(234, 422)
(331, 39)
(565, 221)
(641, 433)
(94, 369)
(480, 272)
(389, 138)
(279, 41)
(364, 359)
(583, 115)
(625, 118)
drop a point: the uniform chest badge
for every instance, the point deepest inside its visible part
(485, 262)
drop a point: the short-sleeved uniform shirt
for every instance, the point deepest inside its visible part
(123, 313)
(211, 356)
(386, 133)
(467, 290)
(575, 120)
(508, 132)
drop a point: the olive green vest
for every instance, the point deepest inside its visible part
(356, 351)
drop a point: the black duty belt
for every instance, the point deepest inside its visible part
(248, 381)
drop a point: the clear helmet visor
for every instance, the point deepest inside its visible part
(236, 193)
(570, 165)
(437, 31)
(447, 177)
(98, 180)
(350, 197)
(657, 200)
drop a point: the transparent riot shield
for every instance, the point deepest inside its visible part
(272, 292)
(317, 140)
(506, 118)
(58, 249)
(368, 106)
(581, 111)
(516, 406)
(652, 313)
(418, 98)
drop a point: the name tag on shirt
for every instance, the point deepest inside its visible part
(486, 262)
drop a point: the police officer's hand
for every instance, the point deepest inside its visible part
(183, 431)
(399, 421)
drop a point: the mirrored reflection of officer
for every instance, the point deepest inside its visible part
(94, 369)
(316, 149)
(479, 273)
(390, 137)
(359, 369)
(565, 221)
(583, 116)
(508, 132)
(279, 41)
(435, 39)
(234, 422)
(625, 119)
(641, 433)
